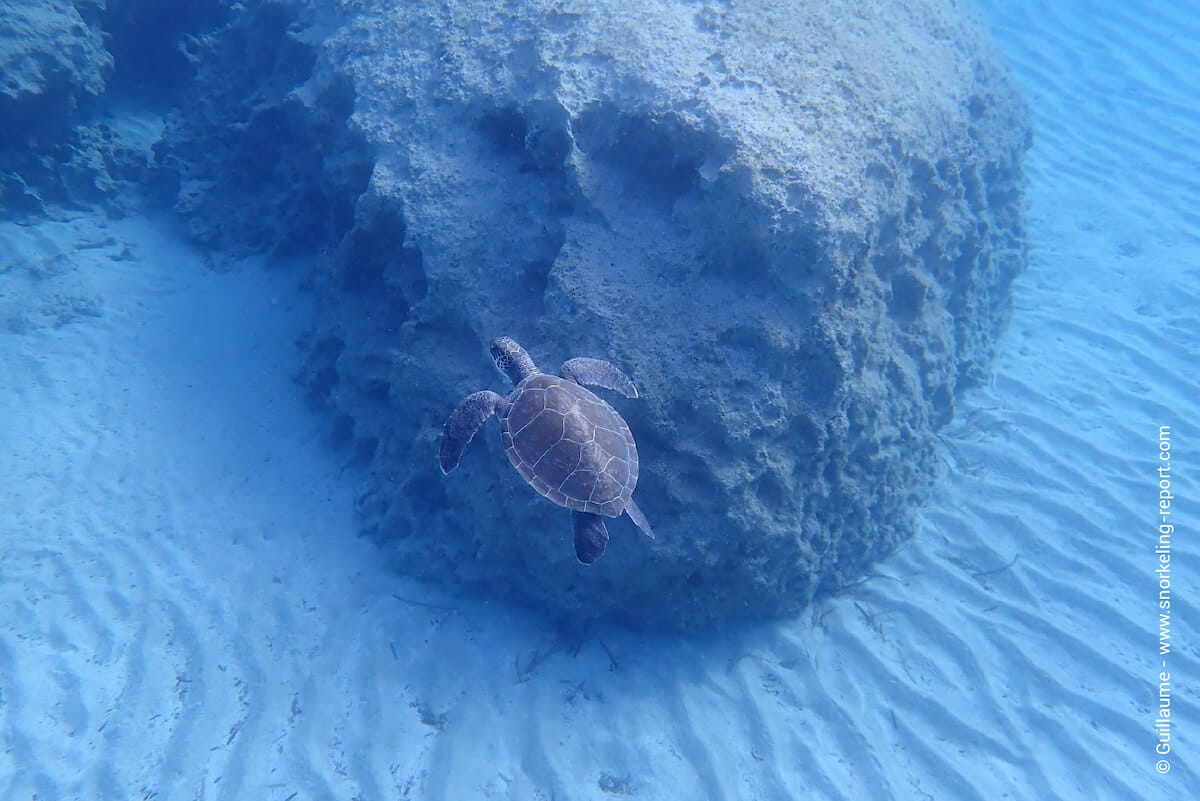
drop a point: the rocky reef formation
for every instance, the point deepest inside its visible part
(260, 156)
(69, 71)
(52, 63)
(793, 225)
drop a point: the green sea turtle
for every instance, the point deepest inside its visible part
(570, 445)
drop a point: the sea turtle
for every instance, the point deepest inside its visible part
(570, 445)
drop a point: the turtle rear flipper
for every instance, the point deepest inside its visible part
(597, 373)
(463, 422)
(591, 536)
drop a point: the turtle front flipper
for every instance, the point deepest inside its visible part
(591, 536)
(462, 424)
(597, 373)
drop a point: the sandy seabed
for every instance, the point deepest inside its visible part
(187, 612)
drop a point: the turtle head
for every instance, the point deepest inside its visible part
(512, 360)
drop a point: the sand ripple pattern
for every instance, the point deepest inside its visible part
(155, 562)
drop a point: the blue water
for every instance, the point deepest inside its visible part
(186, 610)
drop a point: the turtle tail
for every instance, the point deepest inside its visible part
(639, 519)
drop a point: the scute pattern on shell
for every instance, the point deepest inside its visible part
(570, 445)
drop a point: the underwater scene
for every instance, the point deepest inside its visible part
(555, 400)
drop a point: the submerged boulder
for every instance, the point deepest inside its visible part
(793, 225)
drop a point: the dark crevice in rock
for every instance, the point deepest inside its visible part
(656, 160)
(147, 40)
(259, 154)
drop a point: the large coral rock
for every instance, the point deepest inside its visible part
(794, 225)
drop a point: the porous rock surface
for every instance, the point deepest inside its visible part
(52, 59)
(67, 139)
(52, 63)
(794, 225)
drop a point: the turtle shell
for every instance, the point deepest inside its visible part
(570, 445)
